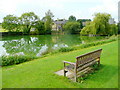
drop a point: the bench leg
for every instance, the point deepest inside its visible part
(99, 62)
(75, 79)
(64, 71)
(75, 75)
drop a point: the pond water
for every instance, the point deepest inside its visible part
(37, 45)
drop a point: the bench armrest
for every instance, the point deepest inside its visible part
(69, 62)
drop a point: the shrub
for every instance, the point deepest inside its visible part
(11, 60)
(66, 49)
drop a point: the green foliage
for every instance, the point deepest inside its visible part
(89, 29)
(113, 29)
(100, 25)
(27, 21)
(10, 23)
(48, 21)
(72, 18)
(35, 32)
(11, 60)
(72, 27)
(118, 25)
(80, 21)
(66, 49)
(39, 25)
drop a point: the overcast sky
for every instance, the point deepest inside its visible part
(81, 9)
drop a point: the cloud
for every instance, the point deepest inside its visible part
(108, 6)
(60, 8)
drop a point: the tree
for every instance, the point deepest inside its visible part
(80, 22)
(48, 21)
(113, 29)
(99, 25)
(72, 18)
(72, 27)
(10, 23)
(39, 25)
(27, 21)
(118, 25)
(89, 29)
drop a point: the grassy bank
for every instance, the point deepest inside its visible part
(40, 72)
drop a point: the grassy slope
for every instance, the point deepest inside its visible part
(0, 78)
(40, 73)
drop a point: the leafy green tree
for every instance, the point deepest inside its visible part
(99, 25)
(118, 25)
(80, 21)
(72, 18)
(89, 29)
(39, 25)
(27, 21)
(48, 21)
(72, 27)
(10, 23)
(113, 29)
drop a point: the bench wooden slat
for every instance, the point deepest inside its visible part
(82, 72)
(81, 64)
(88, 53)
(85, 66)
(69, 62)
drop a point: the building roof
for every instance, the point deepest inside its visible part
(60, 22)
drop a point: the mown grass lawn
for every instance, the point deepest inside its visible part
(39, 73)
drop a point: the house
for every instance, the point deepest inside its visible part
(111, 21)
(58, 25)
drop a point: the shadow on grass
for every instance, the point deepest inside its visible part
(102, 75)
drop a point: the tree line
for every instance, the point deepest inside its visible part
(100, 26)
(27, 21)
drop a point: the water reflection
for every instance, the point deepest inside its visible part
(38, 45)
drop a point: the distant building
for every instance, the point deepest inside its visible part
(58, 24)
(119, 11)
(111, 21)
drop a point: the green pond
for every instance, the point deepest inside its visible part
(37, 45)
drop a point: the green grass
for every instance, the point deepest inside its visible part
(0, 78)
(39, 73)
(16, 59)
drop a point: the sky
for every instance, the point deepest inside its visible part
(62, 9)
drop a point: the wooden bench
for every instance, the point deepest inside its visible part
(82, 64)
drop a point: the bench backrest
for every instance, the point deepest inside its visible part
(88, 57)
